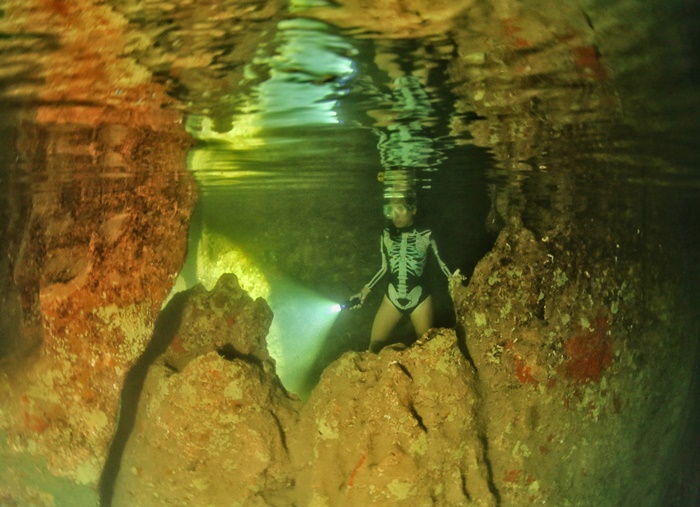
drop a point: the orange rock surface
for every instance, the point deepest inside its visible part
(101, 188)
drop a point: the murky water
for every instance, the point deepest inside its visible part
(305, 121)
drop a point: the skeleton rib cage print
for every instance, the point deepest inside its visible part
(405, 254)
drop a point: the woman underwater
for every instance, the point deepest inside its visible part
(404, 249)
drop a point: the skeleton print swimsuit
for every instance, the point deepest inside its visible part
(405, 253)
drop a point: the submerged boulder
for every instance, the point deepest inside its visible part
(540, 395)
(398, 428)
(225, 319)
(211, 434)
(213, 418)
(582, 371)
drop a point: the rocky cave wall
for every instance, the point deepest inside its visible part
(98, 185)
(99, 199)
(578, 329)
(563, 382)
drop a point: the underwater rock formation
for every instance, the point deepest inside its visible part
(577, 324)
(215, 427)
(399, 428)
(562, 338)
(213, 419)
(547, 399)
(98, 185)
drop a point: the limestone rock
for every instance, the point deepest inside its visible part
(567, 400)
(225, 319)
(213, 418)
(211, 434)
(400, 428)
(214, 425)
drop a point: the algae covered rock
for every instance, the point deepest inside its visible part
(226, 319)
(559, 331)
(214, 425)
(213, 418)
(400, 428)
(212, 434)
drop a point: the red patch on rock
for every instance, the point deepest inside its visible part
(509, 26)
(35, 423)
(177, 346)
(511, 29)
(590, 353)
(513, 476)
(60, 7)
(587, 59)
(351, 480)
(523, 371)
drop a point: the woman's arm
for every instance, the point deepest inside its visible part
(378, 275)
(453, 279)
(443, 267)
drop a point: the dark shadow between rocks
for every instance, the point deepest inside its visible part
(229, 352)
(489, 467)
(462, 344)
(166, 326)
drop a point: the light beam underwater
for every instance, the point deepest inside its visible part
(301, 323)
(302, 318)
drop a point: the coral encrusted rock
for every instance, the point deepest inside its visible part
(214, 425)
(400, 428)
(560, 332)
(213, 418)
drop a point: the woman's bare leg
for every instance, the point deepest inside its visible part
(387, 317)
(422, 317)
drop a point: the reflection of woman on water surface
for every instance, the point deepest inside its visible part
(404, 250)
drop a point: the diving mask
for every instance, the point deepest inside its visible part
(394, 210)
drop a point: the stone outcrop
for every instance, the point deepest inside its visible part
(215, 427)
(400, 428)
(570, 399)
(213, 419)
(541, 395)
(98, 184)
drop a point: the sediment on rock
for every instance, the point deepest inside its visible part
(558, 333)
(398, 428)
(213, 419)
(215, 426)
(540, 393)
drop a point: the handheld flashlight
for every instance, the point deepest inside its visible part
(351, 304)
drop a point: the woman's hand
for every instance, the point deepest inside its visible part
(456, 280)
(360, 297)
